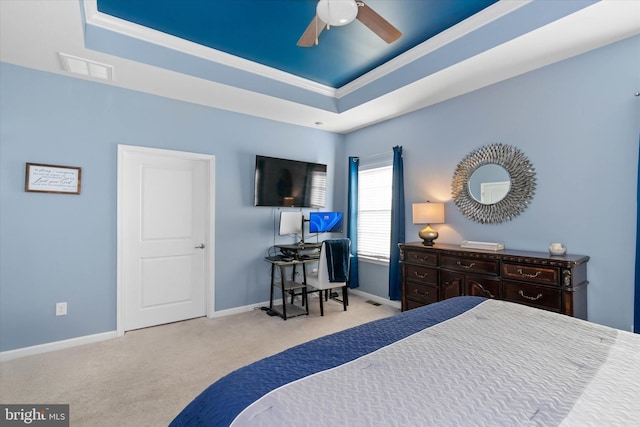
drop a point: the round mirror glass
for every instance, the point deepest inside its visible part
(489, 184)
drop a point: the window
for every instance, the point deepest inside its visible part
(374, 212)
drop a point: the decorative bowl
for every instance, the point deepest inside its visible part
(557, 249)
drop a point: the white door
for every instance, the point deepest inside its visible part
(493, 192)
(164, 214)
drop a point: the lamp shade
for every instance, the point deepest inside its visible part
(428, 213)
(337, 12)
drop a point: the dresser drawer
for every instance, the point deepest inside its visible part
(531, 273)
(488, 287)
(534, 295)
(470, 265)
(424, 294)
(413, 304)
(419, 257)
(422, 274)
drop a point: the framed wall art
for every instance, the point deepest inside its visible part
(41, 178)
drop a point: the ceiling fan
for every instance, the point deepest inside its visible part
(343, 12)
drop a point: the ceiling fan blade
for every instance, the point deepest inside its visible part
(312, 32)
(378, 24)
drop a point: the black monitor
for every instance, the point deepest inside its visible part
(325, 222)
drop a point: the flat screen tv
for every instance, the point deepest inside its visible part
(289, 183)
(325, 222)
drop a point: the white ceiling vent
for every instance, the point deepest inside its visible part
(85, 67)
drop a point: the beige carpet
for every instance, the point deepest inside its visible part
(146, 377)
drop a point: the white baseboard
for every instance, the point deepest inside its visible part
(87, 339)
(56, 345)
(243, 309)
(378, 299)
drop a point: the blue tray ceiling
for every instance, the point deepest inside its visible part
(266, 31)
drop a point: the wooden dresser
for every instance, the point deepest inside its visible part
(550, 282)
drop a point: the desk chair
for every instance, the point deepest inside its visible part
(331, 274)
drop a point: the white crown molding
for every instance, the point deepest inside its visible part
(493, 12)
(97, 19)
(474, 22)
(58, 28)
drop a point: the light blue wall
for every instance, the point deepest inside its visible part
(578, 122)
(57, 248)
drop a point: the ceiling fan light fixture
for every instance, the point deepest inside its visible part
(337, 12)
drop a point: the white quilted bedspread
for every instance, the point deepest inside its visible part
(499, 364)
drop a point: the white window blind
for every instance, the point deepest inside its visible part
(374, 212)
(318, 188)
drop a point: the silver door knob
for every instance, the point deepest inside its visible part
(200, 246)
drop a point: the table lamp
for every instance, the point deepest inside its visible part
(428, 213)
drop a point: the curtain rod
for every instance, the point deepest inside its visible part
(388, 153)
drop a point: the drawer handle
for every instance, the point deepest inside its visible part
(530, 298)
(422, 294)
(530, 276)
(466, 265)
(423, 259)
(484, 290)
(420, 276)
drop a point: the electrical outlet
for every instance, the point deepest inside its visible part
(61, 309)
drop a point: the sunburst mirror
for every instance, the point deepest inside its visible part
(493, 184)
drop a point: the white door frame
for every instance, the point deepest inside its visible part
(123, 150)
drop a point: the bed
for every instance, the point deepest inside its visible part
(462, 361)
